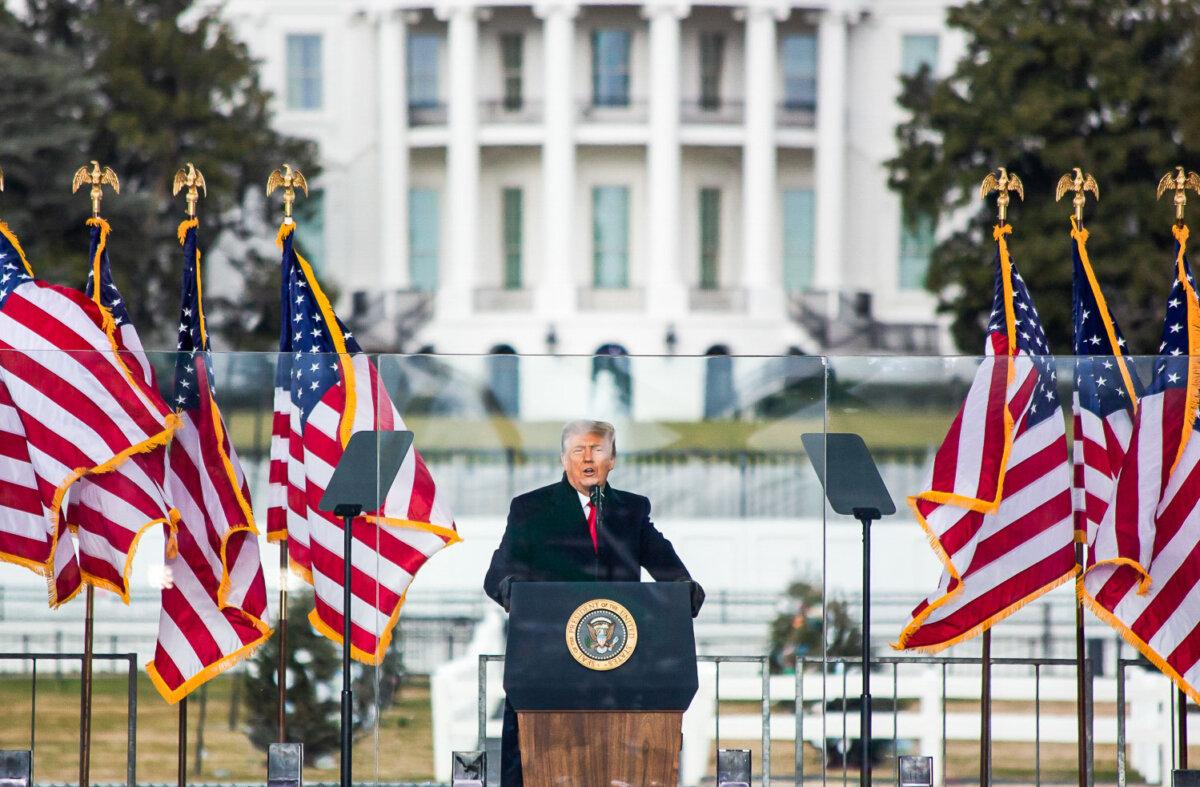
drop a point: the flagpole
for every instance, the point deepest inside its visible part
(289, 180)
(85, 691)
(281, 679)
(97, 178)
(182, 765)
(985, 713)
(1081, 675)
(1183, 740)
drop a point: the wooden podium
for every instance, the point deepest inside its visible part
(583, 721)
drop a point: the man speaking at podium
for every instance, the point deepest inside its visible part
(578, 530)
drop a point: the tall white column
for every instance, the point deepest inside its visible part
(556, 296)
(831, 149)
(761, 270)
(392, 268)
(667, 286)
(460, 215)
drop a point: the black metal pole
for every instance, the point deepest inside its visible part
(1080, 674)
(85, 692)
(865, 704)
(1183, 743)
(182, 764)
(985, 714)
(281, 679)
(198, 758)
(347, 694)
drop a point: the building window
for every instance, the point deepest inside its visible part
(304, 86)
(799, 239)
(916, 247)
(710, 238)
(610, 68)
(504, 380)
(512, 60)
(423, 233)
(612, 382)
(610, 236)
(917, 52)
(423, 52)
(513, 209)
(799, 72)
(310, 222)
(719, 401)
(712, 57)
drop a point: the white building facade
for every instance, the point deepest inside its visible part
(573, 178)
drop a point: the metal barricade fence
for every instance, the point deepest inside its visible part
(130, 660)
(824, 693)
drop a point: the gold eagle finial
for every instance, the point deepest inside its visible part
(193, 179)
(1008, 181)
(97, 177)
(290, 180)
(1180, 181)
(1079, 183)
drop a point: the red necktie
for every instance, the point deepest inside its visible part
(592, 527)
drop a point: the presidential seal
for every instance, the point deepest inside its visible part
(601, 634)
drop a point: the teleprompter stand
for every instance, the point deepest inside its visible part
(360, 483)
(853, 487)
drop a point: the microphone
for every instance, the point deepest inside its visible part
(597, 497)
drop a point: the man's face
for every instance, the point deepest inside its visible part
(588, 460)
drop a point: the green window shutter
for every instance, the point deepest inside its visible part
(513, 208)
(917, 51)
(712, 56)
(610, 236)
(304, 77)
(710, 238)
(512, 60)
(423, 234)
(799, 55)
(799, 239)
(423, 51)
(610, 68)
(916, 248)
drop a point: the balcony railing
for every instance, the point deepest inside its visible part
(427, 114)
(722, 112)
(506, 110)
(631, 111)
(797, 114)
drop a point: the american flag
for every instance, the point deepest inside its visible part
(214, 597)
(69, 406)
(1145, 581)
(110, 513)
(1106, 392)
(325, 390)
(997, 508)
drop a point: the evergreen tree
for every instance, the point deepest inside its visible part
(143, 86)
(314, 685)
(799, 629)
(1046, 85)
(43, 134)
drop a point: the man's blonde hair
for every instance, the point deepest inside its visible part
(584, 426)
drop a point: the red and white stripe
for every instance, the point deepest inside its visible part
(1098, 452)
(109, 513)
(388, 548)
(215, 601)
(997, 560)
(1146, 579)
(998, 507)
(76, 407)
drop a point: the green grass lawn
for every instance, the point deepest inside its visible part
(402, 750)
